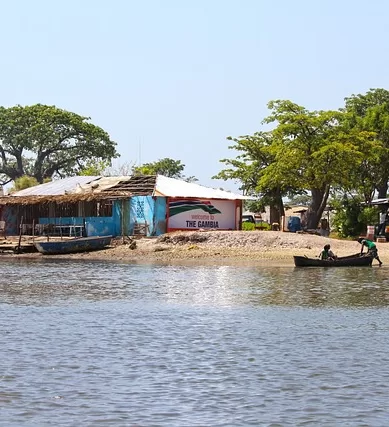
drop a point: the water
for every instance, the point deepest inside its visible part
(104, 344)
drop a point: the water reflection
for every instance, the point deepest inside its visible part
(93, 343)
(48, 282)
(317, 287)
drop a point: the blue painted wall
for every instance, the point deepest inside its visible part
(72, 220)
(142, 213)
(145, 210)
(95, 226)
(160, 215)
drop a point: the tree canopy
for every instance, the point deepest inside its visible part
(315, 153)
(370, 112)
(44, 141)
(166, 166)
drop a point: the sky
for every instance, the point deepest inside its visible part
(175, 78)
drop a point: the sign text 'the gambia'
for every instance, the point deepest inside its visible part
(202, 213)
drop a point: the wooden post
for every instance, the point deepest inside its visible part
(60, 227)
(20, 236)
(122, 220)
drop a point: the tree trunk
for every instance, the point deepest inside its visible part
(316, 208)
(274, 215)
(382, 191)
(277, 208)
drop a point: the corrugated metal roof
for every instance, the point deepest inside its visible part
(131, 185)
(380, 202)
(56, 188)
(177, 188)
(136, 185)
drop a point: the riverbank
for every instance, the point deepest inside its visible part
(221, 247)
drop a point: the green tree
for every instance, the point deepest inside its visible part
(300, 200)
(314, 152)
(23, 182)
(307, 152)
(352, 216)
(370, 112)
(43, 141)
(95, 168)
(249, 168)
(167, 167)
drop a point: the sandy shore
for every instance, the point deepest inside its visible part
(220, 247)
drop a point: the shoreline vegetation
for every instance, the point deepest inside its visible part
(218, 248)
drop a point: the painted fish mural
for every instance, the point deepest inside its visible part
(177, 207)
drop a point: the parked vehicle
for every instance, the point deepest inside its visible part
(248, 218)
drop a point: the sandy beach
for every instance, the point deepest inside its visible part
(220, 247)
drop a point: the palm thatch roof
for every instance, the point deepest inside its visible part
(76, 189)
(66, 198)
(99, 188)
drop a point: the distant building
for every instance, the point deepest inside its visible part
(146, 205)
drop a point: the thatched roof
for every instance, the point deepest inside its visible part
(102, 188)
(135, 185)
(75, 189)
(66, 198)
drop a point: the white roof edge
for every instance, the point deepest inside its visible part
(172, 187)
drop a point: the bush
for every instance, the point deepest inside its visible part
(351, 217)
(265, 226)
(248, 226)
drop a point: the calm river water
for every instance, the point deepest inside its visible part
(111, 344)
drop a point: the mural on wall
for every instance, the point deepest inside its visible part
(201, 213)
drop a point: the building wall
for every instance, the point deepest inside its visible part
(160, 216)
(196, 213)
(100, 226)
(153, 215)
(9, 215)
(147, 213)
(94, 226)
(121, 209)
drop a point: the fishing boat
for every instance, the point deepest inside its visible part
(356, 260)
(78, 244)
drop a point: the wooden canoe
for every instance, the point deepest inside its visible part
(78, 244)
(356, 260)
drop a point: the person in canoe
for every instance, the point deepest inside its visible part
(371, 248)
(327, 254)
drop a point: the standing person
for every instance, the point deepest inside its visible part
(383, 219)
(326, 253)
(371, 248)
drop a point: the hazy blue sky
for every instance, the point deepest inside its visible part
(175, 78)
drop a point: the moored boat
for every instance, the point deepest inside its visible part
(356, 260)
(78, 244)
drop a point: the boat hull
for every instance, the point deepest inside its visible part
(81, 244)
(356, 260)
